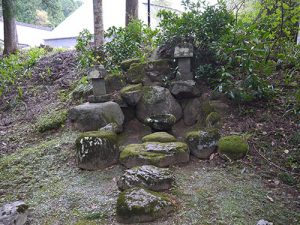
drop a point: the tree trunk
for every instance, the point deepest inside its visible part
(98, 23)
(132, 10)
(10, 30)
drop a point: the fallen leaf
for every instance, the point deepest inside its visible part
(271, 199)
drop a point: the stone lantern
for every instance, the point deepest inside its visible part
(184, 54)
(97, 75)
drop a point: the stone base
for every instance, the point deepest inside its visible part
(99, 99)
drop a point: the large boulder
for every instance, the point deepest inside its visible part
(125, 65)
(192, 111)
(155, 153)
(132, 94)
(233, 147)
(157, 100)
(14, 213)
(138, 205)
(184, 89)
(97, 150)
(114, 82)
(163, 137)
(136, 73)
(92, 116)
(149, 177)
(203, 143)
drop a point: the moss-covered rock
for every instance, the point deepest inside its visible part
(51, 121)
(97, 150)
(114, 82)
(136, 73)
(147, 176)
(138, 205)
(125, 65)
(203, 143)
(163, 137)
(132, 94)
(213, 120)
(157, 70)
(233, 147)
(154, 153)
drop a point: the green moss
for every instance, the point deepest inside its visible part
(192, 135)
(213, 119)
(98, 134)
(127, 207)
(159, 137)
(136, 73)
(52, 121)
(131, 88)
(233, 146)
(207, 108)
(125, 65)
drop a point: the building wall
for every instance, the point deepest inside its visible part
(61, 42)
(29, 35)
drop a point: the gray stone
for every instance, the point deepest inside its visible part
(163, 137)
(157, 70)
(98, 71)
(264, 222)
(154, 153)
(162, 122)
(192, 111)
(132, 94)
(156, 101)
(184, 50)
(114, 82)
(112, 127)
(203, 143)
(147, 176)
(14, 213)
(100, 98)
(97, 150)
(138, 205)
(125, 65)
(93, 116)
(219, 106)
(184, 89)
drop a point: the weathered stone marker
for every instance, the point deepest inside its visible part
(184, 53)
(97, 75)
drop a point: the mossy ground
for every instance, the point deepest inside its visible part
(45, 176)
(51, 121)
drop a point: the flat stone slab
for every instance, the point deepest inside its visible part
(138, 205)
(14, 213)
(93, 116)
(149, 177)
(97, 150)
(155, 153)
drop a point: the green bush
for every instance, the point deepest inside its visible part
(52, 121)
(15, 67)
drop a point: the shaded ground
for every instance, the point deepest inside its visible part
(40, 168)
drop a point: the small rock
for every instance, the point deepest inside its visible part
(147, 176)
(132, 94)
(184, 89)
(163, 137)
(162, 122)
(154, 153)
(264, 222)
(233, 147)
(14, 213)
(125, 65)
(138, 205)
(97, 150)
(112, 127)
(192, 111)
(203, 143)
(114, 82)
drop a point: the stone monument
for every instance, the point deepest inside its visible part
(184, 54)
(96, 76)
